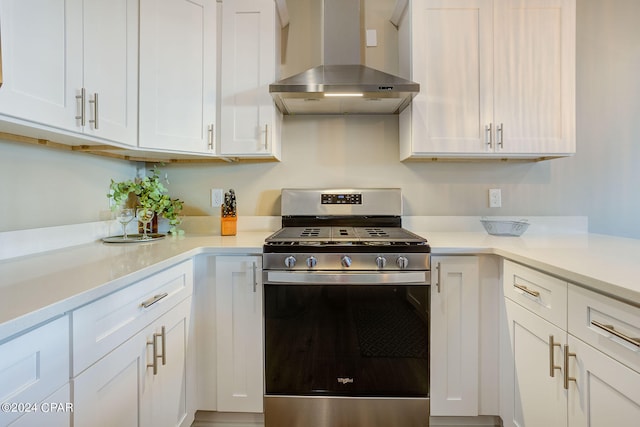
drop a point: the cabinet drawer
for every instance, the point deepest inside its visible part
(609, 325)
(544, 295)
(32, 366)
(102, 325)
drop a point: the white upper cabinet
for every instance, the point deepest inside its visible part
(534, 92)
(71, 65)
(178, 75)
(250, 123)
(34, 38)
(497, 79)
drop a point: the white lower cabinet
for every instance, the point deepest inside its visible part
(605, 392)
(454, 336)
(34, 373)
(239, 347)
(138, 364)
(142, 382)
(532, 396)
(551, 376)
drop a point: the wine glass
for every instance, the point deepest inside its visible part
(145, 215)
(124, 217)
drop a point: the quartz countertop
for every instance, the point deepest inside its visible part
(35, 288)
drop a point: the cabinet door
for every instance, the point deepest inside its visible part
(111, 69)
(530, 396)
(454, 336)
(32, 366)
(107, 394)
(54, 411)
(41, 60)
(535, 75)
(606, 393)
(168, 390)
(239, 333)
(177, 75)
(122, 389)
(250, 122)
(452, 61)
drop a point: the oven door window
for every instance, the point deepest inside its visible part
(347, 340)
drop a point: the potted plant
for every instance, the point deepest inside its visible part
(149, 193)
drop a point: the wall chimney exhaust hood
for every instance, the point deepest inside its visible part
(342, 85)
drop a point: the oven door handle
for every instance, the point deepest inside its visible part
(351, 278)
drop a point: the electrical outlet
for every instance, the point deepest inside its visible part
(495, 198)
(217, 196)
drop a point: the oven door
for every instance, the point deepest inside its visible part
(357, 334)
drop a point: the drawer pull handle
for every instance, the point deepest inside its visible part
(567, 378)
(552, 366)
(610, 329)
(154, 299)
(527, 290)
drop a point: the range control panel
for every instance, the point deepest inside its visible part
(341, 199)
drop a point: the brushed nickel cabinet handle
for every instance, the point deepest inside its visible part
(81, 97)
(499, 135)
(610, 329)
(156, 356)
(255, 277)
(211, 140)
(567, 378)
(154, 299)
(487, 135)
(154, 344)
(527, 290)
(94, 101)
(438, 269)
(163, 335)
(266, 136)
(552, 366)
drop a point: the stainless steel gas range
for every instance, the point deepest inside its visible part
(346, 293)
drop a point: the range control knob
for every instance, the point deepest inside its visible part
(312, 262)
(290, 261)
(346, 261)
(381, 262)
(402, 262)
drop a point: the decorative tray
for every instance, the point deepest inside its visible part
(500, 227)
(134, 238)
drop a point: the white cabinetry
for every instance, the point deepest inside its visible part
(454, 335)
(561, 368)
(137, 343)
(497, 79)
(71, 65)
(250, 122)
(178, 75)
(534, 397)
(532, 391)
(240, 372)
(604, 341)
(34, 368)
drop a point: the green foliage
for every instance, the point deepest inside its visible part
(150, 193)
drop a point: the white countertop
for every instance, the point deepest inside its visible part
(35, 288)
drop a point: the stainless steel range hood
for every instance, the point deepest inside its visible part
(342, 85)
